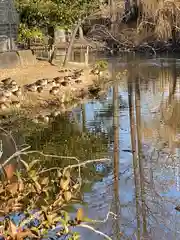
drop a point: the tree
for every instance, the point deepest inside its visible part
(46, 13)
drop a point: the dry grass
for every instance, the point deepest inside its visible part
(158, 21)
(159, 17)
(105, 9)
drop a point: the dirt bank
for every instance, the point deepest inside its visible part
(74, 84)
(25, 75)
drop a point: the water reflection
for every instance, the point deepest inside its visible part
(115, 208)
(137, 125)
(145, 138)
(134, 153)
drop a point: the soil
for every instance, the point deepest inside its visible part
(34, 103)
(26, 75)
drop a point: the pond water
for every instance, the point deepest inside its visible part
(137, 126)
(143, 189)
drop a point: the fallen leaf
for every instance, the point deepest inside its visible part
(67, 196)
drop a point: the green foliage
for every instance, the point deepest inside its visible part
(43, 13)
(26, 33)
(62, 137)
(101, 65)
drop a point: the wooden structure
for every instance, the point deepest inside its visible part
(8, 25)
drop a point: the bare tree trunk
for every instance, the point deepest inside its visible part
(113, 16)
(137, 10)
(28, 44)
(173, 24)
(81, 34)
(68, 53)
(52, 53)
(127, 6)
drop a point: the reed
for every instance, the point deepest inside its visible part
(160, 16)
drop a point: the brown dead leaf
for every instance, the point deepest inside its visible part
(17, 207)
(64, 184)
(10, 202)
(76, 186)
(12, 229)
(58, 202)
(59, 174)
(66, 173)
(67, 196)
(13, 187)
(51, 217)
(24, 234)
(21, 185)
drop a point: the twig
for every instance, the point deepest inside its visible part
(22, 152)
(16, 154)
(87, 162)
(94, 230)
(8, 133)
(79, 165)
(107, 217)
(54, 156)
(48, 155)
(12, 138)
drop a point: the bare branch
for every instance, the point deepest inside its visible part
(16, 154)
(94, 230)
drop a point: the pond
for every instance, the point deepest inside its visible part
(136, 124)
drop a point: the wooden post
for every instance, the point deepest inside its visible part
(87, 56)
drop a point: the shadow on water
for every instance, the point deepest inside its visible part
(137, 125)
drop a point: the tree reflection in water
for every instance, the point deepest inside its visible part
(147, 173)
(115, 207)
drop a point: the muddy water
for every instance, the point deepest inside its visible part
(137, 126)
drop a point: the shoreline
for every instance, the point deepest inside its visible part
(34, 104)
(151, 48)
